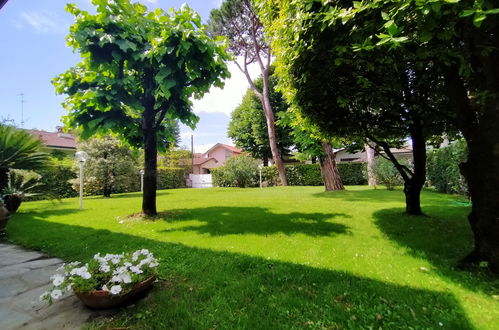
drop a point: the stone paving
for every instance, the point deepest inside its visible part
(24, 276)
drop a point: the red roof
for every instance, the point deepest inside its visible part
(55, 139)
(231, 148)
(200, 160)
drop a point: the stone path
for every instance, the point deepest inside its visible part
(24, 276)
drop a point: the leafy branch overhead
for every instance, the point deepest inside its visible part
(133, 59)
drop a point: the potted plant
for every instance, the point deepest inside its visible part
(105, 281)
(4, 215)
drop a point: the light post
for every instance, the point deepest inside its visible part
(260, 169)
(141, 180)
(81, 157)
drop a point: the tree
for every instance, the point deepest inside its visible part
(313, 144)
(248, 127)
(383, 96)
(111, 165)
(138, 71)
(238, 21)
(19, 150)
(456, 41)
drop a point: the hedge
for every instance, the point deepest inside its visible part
(171, 178)
(310, 174)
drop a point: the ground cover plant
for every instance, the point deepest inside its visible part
(281, 257)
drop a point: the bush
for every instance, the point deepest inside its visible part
(353, 173)
(56, 180)
(240, 171)
(310, 174)
(443, 168)
(171, 178)
(386, 174)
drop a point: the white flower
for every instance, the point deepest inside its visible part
(86, 275)
(119, 270)
(57, 279)
(115, 289)
(105, 288)
(104, 268)
(127, 264)
(56, 294)
(144, 252)
(135, 256)
(153, 264)
(136, 270)
(125, 278)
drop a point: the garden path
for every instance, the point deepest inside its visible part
(24, 276)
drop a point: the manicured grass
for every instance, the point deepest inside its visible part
(282, 257)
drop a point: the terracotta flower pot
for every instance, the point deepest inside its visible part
(100, 299)
(4, 217)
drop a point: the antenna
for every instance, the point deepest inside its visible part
(22, 109)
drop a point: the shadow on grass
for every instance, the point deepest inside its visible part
(442, 237)
(206, 289)
(218, 221)
(381, 195)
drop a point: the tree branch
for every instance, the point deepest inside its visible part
(404, 171)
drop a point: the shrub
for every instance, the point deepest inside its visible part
(111, 167)
(240, 171)
(270, 175)
(56, 180)
(386, 173)
(353, 173)
(171, 178)
(310, 174)
(443, 168)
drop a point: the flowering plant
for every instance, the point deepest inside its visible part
(114, 273)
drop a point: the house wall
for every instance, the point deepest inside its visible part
(344, 156)
(205, 167)
(220, 154)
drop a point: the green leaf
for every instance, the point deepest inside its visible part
(478, 19)
(385, 16)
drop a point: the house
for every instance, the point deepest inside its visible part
(342, 155)
(57, 141)
(214, 157)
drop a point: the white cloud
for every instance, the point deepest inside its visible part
(43, 21)
(227, 99)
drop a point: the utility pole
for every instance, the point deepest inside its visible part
(192, 153)
(22, 109)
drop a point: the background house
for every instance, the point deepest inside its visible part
(57, 142)
(214, 157)
(342, 155)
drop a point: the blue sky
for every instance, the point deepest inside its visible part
(33, 51)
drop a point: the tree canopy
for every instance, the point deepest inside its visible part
(429, 65)
(138, 71)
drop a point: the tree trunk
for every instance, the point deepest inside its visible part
(414, 185)
(150, 163)
(371, 178)
(479, 123)
(269, 115)
(4, 178)
(483, 183)
(329, 170)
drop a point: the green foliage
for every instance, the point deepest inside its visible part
(19, 150)
(138, 63)
(56, 179)
(304, 175)
(386, 174)
(353, 173)
(176, 158)
(443, 168)
(171, 178)
(240, 171)
(310, 174)
(248, 126)
(111, 167)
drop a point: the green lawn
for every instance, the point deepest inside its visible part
(281, 257)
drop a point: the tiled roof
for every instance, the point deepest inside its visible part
(199, 161)
(231, 148)
(55, 139)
